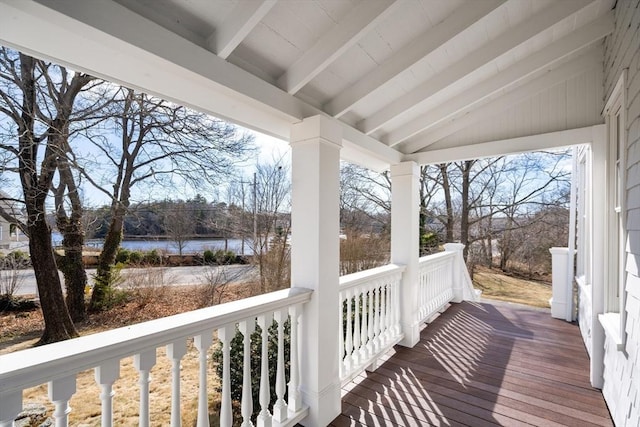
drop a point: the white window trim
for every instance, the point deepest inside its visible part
(614, 319)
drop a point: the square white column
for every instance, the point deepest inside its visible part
(315, 257)
(405, 206)
(599, 150)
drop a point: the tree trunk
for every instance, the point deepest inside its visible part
(72, 266)
(104, 275)
(446, 187)
(464, 220)
(58, 324)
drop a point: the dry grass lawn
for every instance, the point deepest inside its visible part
(20, 331)
(496, 285)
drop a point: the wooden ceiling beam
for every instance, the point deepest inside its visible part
(244, 17)
(334, 43)
(489, 52)
(591, 59)
(511, 76)
(417, 50)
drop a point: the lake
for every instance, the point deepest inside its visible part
(168, 246)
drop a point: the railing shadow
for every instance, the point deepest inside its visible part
(455, 374)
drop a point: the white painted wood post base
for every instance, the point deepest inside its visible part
(405, 206)
(560, 295)
(315, 257)
(458, 289)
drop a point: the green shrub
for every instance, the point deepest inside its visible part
(123, 256)
(208, 256)
(114, 295)
(135, 257)
(236, 363)
(223, 257)
(15, 260)
(152, 258)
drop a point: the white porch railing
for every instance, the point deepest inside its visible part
(370, 306)
(436, 274)
(369, 316)
(370, 319)
(59, 363)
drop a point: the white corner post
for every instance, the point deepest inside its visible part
(599, 251)
(560, 289)
(315, 257)
(459, 264)
(405, 205)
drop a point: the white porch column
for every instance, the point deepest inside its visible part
(458, 289)
(405, 205)
(560, 296)
(315, 255)
(599, 254)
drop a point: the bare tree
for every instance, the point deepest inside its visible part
(160, 144)
(179, 224)
(39, 109)
(272, 203)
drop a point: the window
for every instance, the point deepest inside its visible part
(614, 318)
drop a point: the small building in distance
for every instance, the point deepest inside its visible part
(11, 237)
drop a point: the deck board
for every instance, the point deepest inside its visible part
(481, 364)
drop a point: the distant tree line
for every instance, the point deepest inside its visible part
(160, 218)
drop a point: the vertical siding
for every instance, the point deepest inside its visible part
(622, 368)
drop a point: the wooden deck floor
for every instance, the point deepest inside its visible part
(481, 364)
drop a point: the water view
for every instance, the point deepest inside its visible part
(169, 246)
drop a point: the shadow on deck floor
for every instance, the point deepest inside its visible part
(481, 364)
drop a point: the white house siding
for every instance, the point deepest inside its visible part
(622, 368)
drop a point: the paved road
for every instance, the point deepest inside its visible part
(172, 276)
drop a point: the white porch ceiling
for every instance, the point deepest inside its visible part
(404, 77)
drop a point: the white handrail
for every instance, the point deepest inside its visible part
(59, 363)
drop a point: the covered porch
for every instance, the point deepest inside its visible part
(386, 84)
(475, 363)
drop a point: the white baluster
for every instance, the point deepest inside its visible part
(397, 305)
(433, 288)
(390, 286)
(295, 400)
(202, 343)
(175, 352)
(143, 362)
(376, 319)
(370, 347)
(60, 391)
(10, 407)
(364, 349)
(225, 334)
(280, 407)
(423, 292)
(349, 337)
(356, 329)
(383, 312)
(106, 374)
(341, 349)
(391, 306)
(264, 417)
(246, 328)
